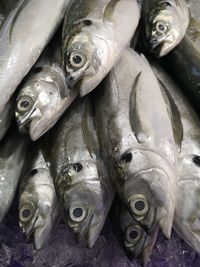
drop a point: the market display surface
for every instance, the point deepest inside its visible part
(99, 133)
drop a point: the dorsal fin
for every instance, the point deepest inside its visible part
(88, 129)
(173, 113)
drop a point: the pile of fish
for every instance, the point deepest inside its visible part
(136, 136)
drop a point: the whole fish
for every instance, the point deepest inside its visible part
(40, 102)
(22, 40)
(38, 205)
(83, 187)
(136, 241)
(137, 143)
(187, 71)
(187, 132)
(94, 36)
(165, 23)
(12, 155)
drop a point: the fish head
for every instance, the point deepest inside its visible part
(163, 29)
(85, 61)
(36, 102)
(144, 186)
(136, 240)
(35, 211)
(83, 201)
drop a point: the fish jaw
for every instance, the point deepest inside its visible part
(42, 230)
(163, 47)
(149, 245)
(95, 228)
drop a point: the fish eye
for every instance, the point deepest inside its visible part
(196, 160)
(127, 157)
(26, 213)
(24, 104)
(139, 204)
(133, 234)
(77, 167)
(161, 27)
(77, 59)
(77, 212)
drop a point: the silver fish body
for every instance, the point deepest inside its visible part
(8, 113)
(12, 156)
(186, 71)
(94, 36)
(38, 204)
(165, 24)
(22, 40)
(186, 218)
(83, 187)
(137, 142)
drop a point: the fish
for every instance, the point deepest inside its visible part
(22, 40)
(38, 204)
(165, 24)
(84, 189)
(136, 241)
(94, 36)
(13, 150)
(186, 72)
(186, 121)
(137, 142)
(40, 102)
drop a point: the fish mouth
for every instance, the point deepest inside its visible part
(25, 122)
(34, 232)
(149, 245)
(157, 49)
(88, 230)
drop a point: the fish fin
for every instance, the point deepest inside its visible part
(135, 115)
(88, 129)
(174, 114)
(16, 11)
(108, 10)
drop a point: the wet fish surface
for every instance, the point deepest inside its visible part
(94, 36)
(19, 50)
(38, 204)
(7, 114)
(137, 143)
(41, 99)
(186, 71)
(165, 24)
(187, 126)
(136, 241)
(12, 156)
(84, 189)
